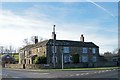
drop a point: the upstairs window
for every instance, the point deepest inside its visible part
(66, 50)
(84, 50)
(93, 50)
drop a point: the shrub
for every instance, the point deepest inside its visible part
(40, 60)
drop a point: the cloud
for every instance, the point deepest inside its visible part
(14, 28)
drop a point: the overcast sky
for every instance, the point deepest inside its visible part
(96, 20)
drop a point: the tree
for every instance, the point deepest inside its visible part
(26, 42)
(11, 49)
(1, 49)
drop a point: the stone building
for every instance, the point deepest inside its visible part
(60, 52)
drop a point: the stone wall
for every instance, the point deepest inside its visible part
(27, 66)
(15, 66)
(37, 66)
(106, 64)
(73, 65)
(47, 66)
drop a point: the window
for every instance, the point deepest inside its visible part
(66, 58)
(8, 57)
(84, 50)
(66, 50)
(94, 59)
(93, 50)
(84, 59)
(53, 49)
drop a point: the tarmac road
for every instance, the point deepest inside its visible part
(79, 74)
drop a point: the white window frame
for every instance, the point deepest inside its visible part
(66, 49)
(93, 50)
(84, 58)
(84, 50)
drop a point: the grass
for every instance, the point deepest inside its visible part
(16, 56)
(70, 69)
(100, 68)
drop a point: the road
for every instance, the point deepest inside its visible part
(110, 73)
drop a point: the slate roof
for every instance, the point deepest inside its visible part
(73, 43)
(43, 43)
(7, 58)
(61, 43)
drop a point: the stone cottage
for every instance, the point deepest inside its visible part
(61, 53)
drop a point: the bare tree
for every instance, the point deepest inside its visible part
(11, 49)
(41, 39)
(26, 42)
(7, 50)
(1, 49)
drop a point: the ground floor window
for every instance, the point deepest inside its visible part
(84, 59)
(94, 59)
(66, 58)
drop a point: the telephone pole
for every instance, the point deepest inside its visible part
(54, 39)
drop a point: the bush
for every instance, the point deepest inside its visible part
(40, 60)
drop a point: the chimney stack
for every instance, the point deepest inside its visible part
(82, 38)
(53, 33)
(36, 39)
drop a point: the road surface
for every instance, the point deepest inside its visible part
(110, 73)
